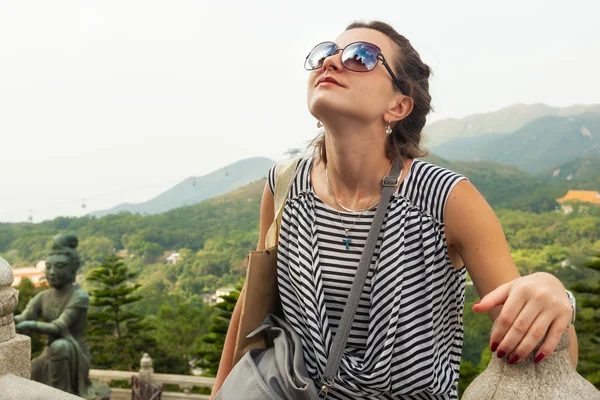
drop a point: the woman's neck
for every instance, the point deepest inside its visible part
(356, 162)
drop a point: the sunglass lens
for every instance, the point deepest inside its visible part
(360, 57)
(318, 55)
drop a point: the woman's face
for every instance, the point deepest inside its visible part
(365, 96)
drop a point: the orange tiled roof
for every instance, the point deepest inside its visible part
(36, 275)
(27, 271)
(585, 196)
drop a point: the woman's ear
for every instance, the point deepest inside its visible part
(400, 109)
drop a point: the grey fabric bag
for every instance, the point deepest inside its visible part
(279, 372)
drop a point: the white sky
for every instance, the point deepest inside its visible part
(117, 101)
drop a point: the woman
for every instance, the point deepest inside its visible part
(370, 92)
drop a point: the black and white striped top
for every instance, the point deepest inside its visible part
(406, 339)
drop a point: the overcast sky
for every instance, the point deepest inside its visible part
(117, 101)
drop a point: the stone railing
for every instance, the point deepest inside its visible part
(15, 350)
(185, 382)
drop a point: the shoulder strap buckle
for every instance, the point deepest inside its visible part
(392, 181)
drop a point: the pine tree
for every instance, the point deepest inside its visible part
(209, 355)
(180, 325)
(117, 336)
(588, 327)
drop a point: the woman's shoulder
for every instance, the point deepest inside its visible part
(424, 169)
(428, 186)
(302, 163)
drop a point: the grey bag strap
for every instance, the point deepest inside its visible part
(341, 337)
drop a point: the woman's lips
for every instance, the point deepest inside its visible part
(328, 84)
(327, 81)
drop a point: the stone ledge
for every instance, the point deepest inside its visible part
(14, 387)
(15, 356)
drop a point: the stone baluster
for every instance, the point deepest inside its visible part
(146, 369)
(186, 387)
(15, 350)
(554, 378)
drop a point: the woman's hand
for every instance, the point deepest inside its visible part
(532, 306)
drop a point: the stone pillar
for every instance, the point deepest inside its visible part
(554, 378)
(146, 369)
(15, 350)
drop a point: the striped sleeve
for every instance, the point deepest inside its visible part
(429, 188)
(453, 180)
(271, 179)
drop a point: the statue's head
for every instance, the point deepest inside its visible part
(63, 261)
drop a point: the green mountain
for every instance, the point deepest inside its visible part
(233, 218)
(505, 120)
(583, 169)
(505, 186)
(540, 144)
(196, 189)
(582, 173)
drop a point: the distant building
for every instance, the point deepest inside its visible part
(578, 196)
(208, 298)
(222, 292)
(124, 253)
(36, 275)
(214, 298)
(173, 259)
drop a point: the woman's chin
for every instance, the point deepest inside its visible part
(321, 106)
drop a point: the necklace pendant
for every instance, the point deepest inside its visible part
(347, 241)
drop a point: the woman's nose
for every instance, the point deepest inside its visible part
(334, 61)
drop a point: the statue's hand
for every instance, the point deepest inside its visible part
(25, 326)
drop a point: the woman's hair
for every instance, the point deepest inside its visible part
(413, 74)
(65, 245)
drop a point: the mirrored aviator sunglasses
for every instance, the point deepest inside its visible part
(357, 57)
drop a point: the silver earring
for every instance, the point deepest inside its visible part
(388, 130)
(319, 124)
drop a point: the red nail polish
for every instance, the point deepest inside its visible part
(513, 359)
(500, 354)
(477, 303)
(539, 357)
(494, 347)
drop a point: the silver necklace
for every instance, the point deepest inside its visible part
(347, 240)
(337, 201)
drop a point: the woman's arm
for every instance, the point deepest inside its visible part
(267, 214)
(526, 308)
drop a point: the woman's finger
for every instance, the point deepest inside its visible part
(519, 326)
(554, 334)
(496, 297)
(509, 313)
(535, 334)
